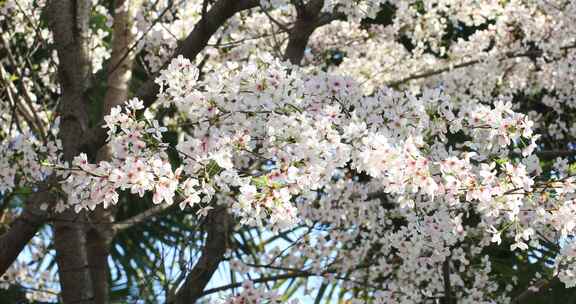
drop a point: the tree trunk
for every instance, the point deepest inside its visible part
(69, 21)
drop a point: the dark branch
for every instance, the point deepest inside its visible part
(509, 55)
(530, 292)
(23, 229)
(549, 154)
(140, 218)
(448, 296)
(259, 280)
(197, 40)
(219, 227)
(308, 19)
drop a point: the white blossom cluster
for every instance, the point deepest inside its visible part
(386, 155)
(32, 277)
(253, 295)
(268, 139)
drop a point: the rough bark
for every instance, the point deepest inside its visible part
(218, 228)
(72, 258)
(98, 240)
(69, 21)
(120, 66)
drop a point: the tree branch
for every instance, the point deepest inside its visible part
(448, 296)
(218, 227)
(309, 18)
(508, 55)
(529, 292)
(306, 23)
(550, 154)
(259, 280)
(23, 229)
(196, 41)
(140, 218)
